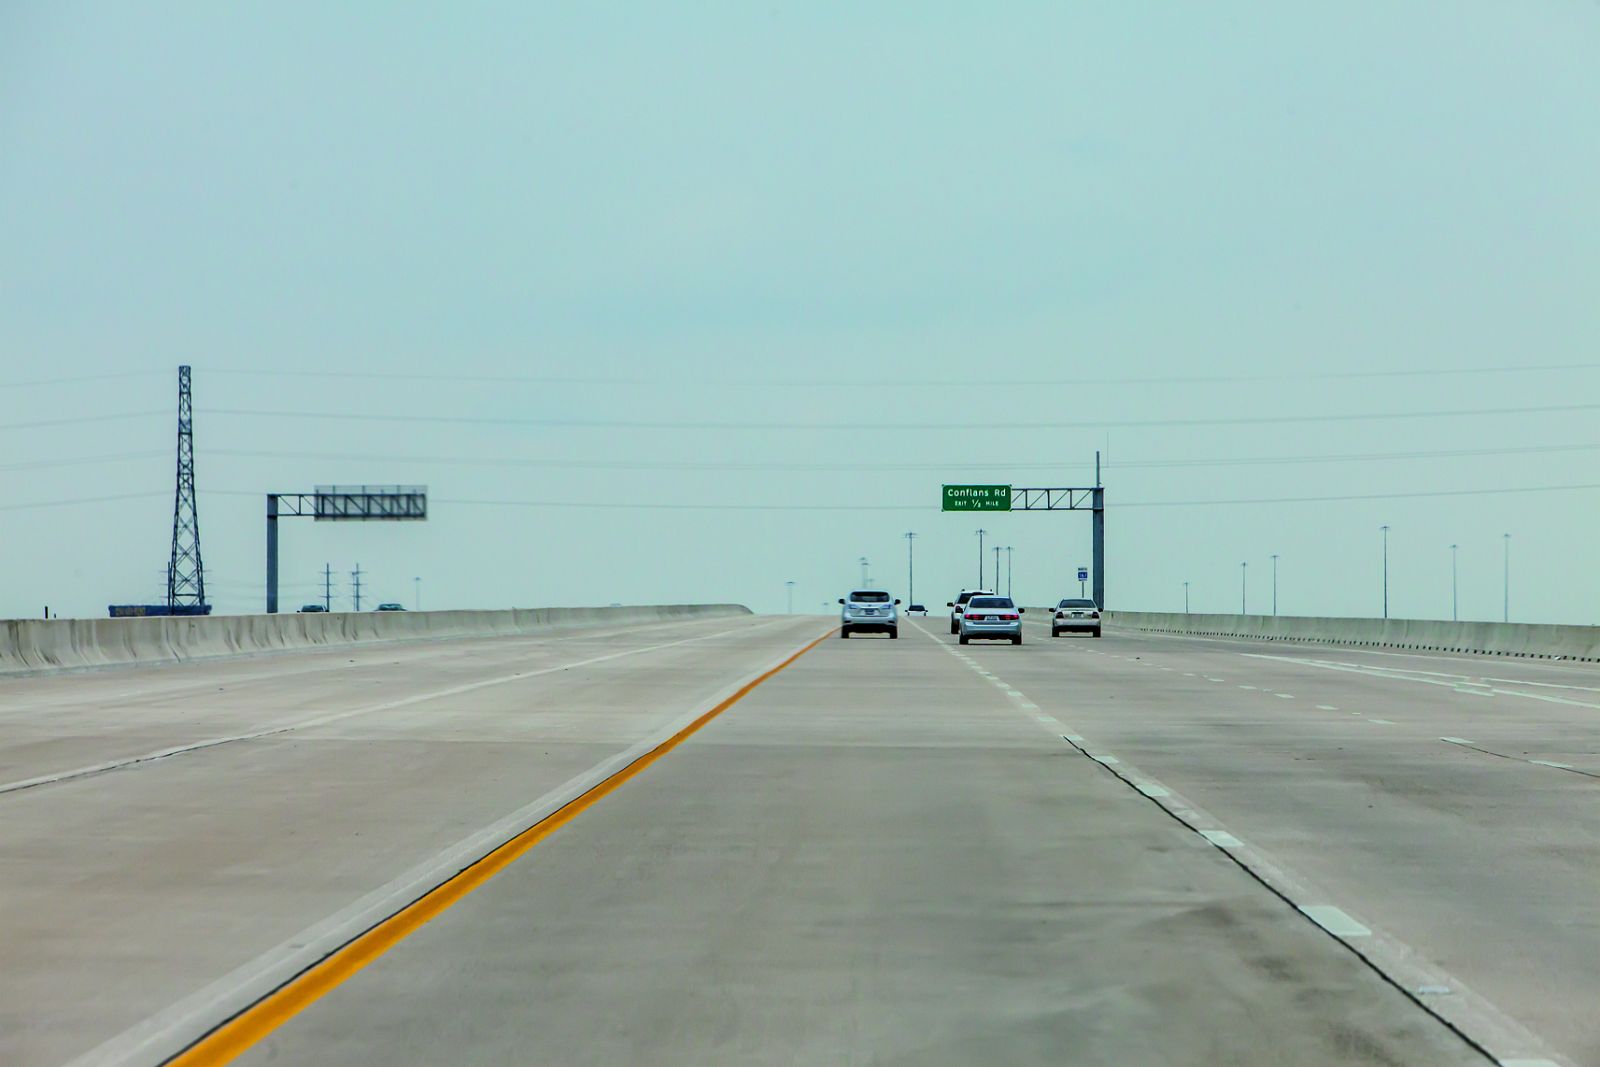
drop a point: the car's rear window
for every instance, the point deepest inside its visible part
(869, 596)
(1077, 604)
(963, 598)
(990, 602)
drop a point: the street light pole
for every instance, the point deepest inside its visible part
(911, 568)
(1385, 530)
(981, 532)
(996, 568)
(417, 586)
(789, 589)
(863, 562)
(1274, 583)
(1455, 601)
(1507, 615)
(1244, 589)
(1186, 598)
(1009, 550)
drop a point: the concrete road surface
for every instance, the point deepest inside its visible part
(1137, 850)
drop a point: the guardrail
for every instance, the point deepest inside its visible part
(1529, 640)
(29, 646)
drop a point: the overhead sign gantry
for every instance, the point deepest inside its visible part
(339, 503)
(1013, 498)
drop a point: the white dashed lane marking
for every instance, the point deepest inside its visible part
(1334, 920)
(1221, 838)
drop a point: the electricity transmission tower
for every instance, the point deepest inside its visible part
(186, 579)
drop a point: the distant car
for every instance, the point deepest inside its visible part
(995, 618)
(391, 606)
(869, 611)
(916, 607)
(1074, 615)
(960, 602)
(312, 609)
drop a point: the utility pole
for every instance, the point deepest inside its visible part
(789, 588)
(327, 587)
(1009, 549)
(1507, 616)
(911, 567)
(355, 586)
(1455, 601)
(1274, 583)
(1186, 598)
(1385, 530)
(1244, 587)
(981, 532)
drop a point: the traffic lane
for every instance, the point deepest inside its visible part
(1524, 669)
(127, 892)
(1483, 866)
(58, 725)
(876, 857)
(1558, 728)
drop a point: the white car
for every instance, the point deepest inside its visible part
(959, 603)
(869, 611)
(1076, 616)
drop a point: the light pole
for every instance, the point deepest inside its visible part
(997, 551)
(1385, 530)
(1455, 601)
(911, 568)
(1244, 589)
(863, 562)
(1274, 583)
(417, 587)
(1186, 598)
(1009, 550)
(981, 532)
(1507, 616)
(789, 589)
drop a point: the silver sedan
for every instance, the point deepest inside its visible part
(991, 618)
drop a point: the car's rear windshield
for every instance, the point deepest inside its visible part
(990, 602)
(869, 596)
(1077, 603)
(963, 598)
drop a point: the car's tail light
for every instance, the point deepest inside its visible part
(1009, 618)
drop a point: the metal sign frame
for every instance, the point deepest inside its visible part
(339, 503)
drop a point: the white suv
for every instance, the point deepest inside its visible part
(869, 611)
(961, 602)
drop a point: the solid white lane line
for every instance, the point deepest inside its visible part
(1529, 1063)
(1552, 763)
(1334, 920)
(1150, 789)
(1074, 738)
(1457, 740)
(1221, 838)
(1107, 760)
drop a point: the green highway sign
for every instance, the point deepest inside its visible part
(977, 498)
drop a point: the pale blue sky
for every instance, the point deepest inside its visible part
(846, 217)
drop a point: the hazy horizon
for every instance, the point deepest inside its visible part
(674, 305)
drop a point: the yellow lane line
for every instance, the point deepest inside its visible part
(236, 1036)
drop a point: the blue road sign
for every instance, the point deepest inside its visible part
(1083, 574)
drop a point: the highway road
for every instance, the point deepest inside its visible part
(745, 841)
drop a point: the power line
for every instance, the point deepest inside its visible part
(868, 424)
(778, 383)
(77, 420)
(699, 465)
(85, 500)
(82, 461)
(80, 378)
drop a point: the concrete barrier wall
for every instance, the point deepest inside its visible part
(29, 646)
(1477, 638)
